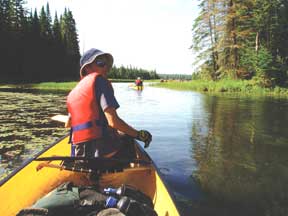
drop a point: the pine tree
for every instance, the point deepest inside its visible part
(56, 29)
(35, 25)
(48, 16)
(70, 43)
(69, 32)
(45, 25)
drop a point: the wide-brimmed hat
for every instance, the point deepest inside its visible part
(90, 55)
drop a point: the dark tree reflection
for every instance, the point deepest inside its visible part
(241, 152)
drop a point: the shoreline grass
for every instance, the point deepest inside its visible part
(61, 86)
(224, 87)
(57, 86)
(243, 87)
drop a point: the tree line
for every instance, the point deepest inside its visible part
(242, 39)
(175, 76)
(35, 48)
(130, 72)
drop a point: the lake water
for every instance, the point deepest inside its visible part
(220, 155)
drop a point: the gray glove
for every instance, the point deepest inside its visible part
(145, 137)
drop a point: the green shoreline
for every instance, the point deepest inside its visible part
(61, 86)
(211, 87)
(224, 87)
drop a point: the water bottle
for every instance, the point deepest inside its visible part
(112, 191)
(111, 202)
(131, 192)
(131, 207)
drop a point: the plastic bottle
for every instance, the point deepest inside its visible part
(131, 207)
(130, 192)
(111, 202)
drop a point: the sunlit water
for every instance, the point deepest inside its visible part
(219, 155)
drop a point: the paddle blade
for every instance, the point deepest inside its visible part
(60, 118)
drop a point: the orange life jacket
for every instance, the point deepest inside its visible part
(84, 111)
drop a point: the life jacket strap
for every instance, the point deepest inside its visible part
(80, 127)
(70, 136)
(85, 125)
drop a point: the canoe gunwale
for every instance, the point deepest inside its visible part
(28, 161)
(159, 174)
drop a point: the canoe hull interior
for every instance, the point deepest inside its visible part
(26, 185)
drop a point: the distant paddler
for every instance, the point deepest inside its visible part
(139, 83)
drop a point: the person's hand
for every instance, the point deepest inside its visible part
(145, 137)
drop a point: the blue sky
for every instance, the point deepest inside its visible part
(149, 34)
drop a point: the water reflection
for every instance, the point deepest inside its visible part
(241, 153)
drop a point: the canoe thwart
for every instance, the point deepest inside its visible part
(91, 165)
(94, 160)
(76, 168)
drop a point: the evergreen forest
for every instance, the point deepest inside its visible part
(242, 39)
(36, 47)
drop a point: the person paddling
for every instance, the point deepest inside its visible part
(139, 83)
(95, 125)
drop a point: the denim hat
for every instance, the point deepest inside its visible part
(90, 55)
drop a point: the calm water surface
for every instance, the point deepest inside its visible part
(219, 155)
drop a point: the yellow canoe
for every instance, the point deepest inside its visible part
(139, 88)
(34, 179)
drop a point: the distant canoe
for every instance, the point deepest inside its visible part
(138, 88)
